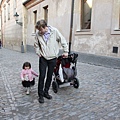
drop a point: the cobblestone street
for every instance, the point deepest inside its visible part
(97, 98)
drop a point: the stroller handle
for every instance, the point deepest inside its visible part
(72, 57)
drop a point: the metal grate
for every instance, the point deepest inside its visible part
(115, 49)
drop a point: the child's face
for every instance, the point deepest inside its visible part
(26, 68)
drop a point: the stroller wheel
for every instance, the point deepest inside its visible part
(55, 86)
(75, 83)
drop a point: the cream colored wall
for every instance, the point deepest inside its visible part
(57, 17)
(102, 37)
(12, 32)
(0, 27)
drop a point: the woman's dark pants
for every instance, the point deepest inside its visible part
(43, 66)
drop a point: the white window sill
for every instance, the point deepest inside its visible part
(116, 29)
(84, 32)
(33, 34)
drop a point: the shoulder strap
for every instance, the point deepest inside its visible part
(40, 46)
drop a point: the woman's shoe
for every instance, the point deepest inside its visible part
(41, 99)
(46, 95)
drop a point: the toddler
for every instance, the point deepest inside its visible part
(27, 76)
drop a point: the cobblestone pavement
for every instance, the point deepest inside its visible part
(97, 98)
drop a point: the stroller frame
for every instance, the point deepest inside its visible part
(69, 71)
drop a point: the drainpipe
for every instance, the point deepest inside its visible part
(71, 25)
(22, 48)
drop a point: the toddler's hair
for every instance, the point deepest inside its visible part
(26, 64)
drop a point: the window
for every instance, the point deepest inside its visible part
(15, 6)
(119, 15)
(8, 11)
(86, 10)
(35, 19)
(46, 13)
(4, 13)
(115, 26)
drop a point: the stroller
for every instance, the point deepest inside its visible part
(65, 72)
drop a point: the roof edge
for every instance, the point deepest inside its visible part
(26, 2)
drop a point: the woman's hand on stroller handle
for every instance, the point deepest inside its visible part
(65, 55)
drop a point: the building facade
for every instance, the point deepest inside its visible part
(11, 32)
(95, 29)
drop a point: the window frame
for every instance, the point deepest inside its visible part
(46, 13)
(4, 13)
(82, 16)
(8, 10)
(35, 19)
(115, 25)
(79, 29)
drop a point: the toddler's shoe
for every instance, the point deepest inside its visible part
(28, 91)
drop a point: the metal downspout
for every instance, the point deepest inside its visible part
(71, 25)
